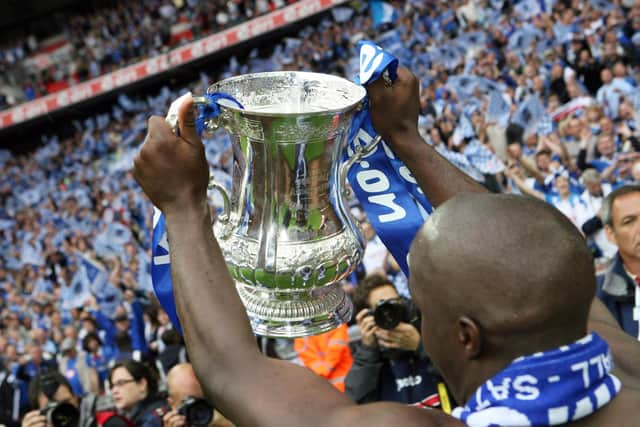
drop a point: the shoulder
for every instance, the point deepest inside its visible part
(388, 413)
(151, 415)
(620, 412)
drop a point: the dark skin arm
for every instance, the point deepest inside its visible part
(250, 389)
(394, 111)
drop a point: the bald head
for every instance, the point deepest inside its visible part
(522, 261)
(511, 270)
(181, 383)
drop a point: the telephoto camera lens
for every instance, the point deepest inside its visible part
(61, 415)
(389, 313)
(198, 412)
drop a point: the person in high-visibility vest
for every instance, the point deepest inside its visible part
(328, 355)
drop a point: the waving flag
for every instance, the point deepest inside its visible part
(529, 113)
(382, 13)
(498, 110)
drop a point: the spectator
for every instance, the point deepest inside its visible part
(390, 365)
(75, 367)
(9, 411)
(134, 388)
(96, 359)
(30, 367)
(53, 387)
(181, 384)
(618, 286)
(173, 351)
(592, 226)
(564, 199)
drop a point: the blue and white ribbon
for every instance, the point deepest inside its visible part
(160, 261)
(388, 193)
(546, 389)
(161, 269)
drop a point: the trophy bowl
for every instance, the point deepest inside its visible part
(285, 233)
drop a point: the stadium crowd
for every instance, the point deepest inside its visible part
(534, 98)
(109, 38)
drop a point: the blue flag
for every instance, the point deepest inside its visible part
(382, 12)
(498, 109)
(529, 113)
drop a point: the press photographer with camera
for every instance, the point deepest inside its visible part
(56, 404)
(389, 362)
(187, 405)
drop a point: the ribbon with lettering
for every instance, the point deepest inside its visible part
(396, 207)
(546, 389)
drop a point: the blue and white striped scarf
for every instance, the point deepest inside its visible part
(396, 207)
(546, 389)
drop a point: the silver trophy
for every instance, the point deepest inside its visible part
(285, 233)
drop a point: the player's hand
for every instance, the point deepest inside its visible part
(173, 170)
(395, 108)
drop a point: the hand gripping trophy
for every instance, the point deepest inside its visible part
(285, 233)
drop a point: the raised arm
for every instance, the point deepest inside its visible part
(394, 111)
(515, 174)
(248, 388)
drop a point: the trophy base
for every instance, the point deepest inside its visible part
(295, 313)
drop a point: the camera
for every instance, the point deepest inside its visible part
(61, 414)
(389, 313)
(197, 411)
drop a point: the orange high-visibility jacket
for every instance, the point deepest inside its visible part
(328, 355)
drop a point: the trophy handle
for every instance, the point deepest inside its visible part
(210, 125)
(361, 151)
(226, 207)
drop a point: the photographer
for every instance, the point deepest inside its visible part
(186, 401)
(389, 361)
(56, 403)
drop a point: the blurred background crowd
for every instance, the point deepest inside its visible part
(533, 97)
(107, 37)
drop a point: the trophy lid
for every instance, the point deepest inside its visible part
(290, 93)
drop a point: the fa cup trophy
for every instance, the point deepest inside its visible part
(285, 233)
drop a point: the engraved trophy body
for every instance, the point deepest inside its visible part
(286, 236)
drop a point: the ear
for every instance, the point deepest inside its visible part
(469, 337)
(611, 236)
(143, 383)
